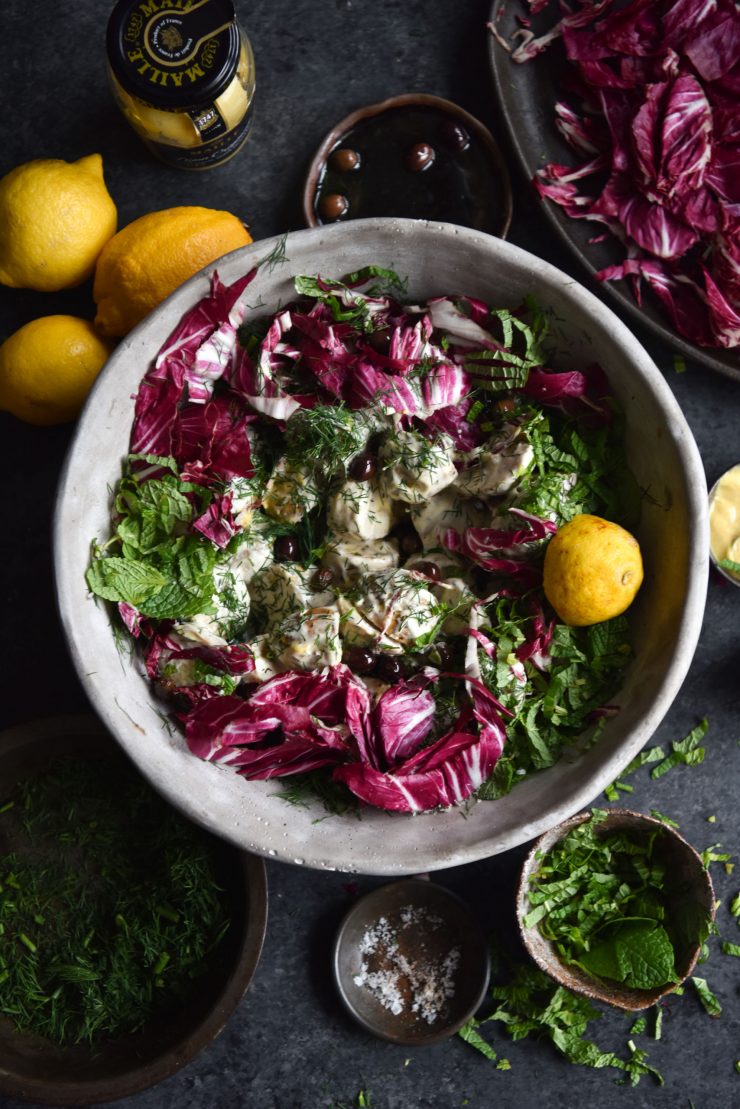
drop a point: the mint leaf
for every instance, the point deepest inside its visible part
(121, 579)
(684, 751)
(707, 998)
(469, 1032)
(644, 955)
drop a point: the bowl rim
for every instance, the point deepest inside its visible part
(40, 734)
(424, 99)
(380, 894)
(341, 854)
(618, 996)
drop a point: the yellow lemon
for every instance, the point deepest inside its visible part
(147, 260)
(47, 368)
(593, 569)
(55, 218)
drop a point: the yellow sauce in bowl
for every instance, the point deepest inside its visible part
(724, 523)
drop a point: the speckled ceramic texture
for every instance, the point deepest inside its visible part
(686, 869)
(436, 259)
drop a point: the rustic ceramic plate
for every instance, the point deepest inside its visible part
(526, 96)
(436, 259)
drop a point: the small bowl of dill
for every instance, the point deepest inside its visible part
(615, 905)
(128, 935)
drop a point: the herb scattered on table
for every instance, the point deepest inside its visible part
(530, 1003)
(707, 998)
(109, 905)
(684, 752)
(603, 899)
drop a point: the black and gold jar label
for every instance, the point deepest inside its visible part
(174, 54)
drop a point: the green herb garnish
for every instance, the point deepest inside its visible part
(109, 904)
(684, 752)
(530, 1003)
(607, 902)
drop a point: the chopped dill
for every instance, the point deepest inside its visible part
(109, 903)
(325, 436)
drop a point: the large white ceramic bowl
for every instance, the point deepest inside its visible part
(436, 259)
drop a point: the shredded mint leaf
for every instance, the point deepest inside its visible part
(664, 819)
(686, 751)
(606, 902)
(707, 998)
(469, 1032)
(728, 948)
(530, 1003)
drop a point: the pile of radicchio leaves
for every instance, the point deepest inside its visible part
(653, 112)
(193, 408)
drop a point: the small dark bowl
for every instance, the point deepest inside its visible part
(688, 872)
(35, 1069)
(480, 171)
(443, 924)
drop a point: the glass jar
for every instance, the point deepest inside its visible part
(183, 75)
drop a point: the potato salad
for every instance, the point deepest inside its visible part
(328, 540)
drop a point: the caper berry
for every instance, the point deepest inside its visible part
(333, 206)
(323, 578)
(363, 467)
(344, 160)
(419, 157)
(380, 340)
(389, 669)
(285, 548)
(455, 136)
(360, 660)
(429, 569)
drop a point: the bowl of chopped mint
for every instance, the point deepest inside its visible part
(127, 934)
(615, 905)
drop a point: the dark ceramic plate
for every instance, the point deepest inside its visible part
(526, 96)
(411, 962)
(37, 1070)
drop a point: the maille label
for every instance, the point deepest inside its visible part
(178, 44)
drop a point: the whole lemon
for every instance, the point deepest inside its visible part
(47, 368)
(593, 570)
(55, 218)
(149, 258)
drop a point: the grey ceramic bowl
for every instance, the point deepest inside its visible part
(411, 962)
(436, 259)
(33, 1068)
(691, 883)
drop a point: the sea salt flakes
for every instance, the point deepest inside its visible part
(402, 970)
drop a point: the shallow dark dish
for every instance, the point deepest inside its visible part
(687, 869)
(441, 923)
(465, 184)
(33, 1068)
(526, 95)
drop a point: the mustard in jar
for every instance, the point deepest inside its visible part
(182, 73)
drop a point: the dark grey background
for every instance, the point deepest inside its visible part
(290, 1046)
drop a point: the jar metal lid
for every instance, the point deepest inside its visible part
(173, 54)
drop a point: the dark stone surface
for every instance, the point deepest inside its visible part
(290, 1046)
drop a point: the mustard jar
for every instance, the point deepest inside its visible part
(182, 73)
